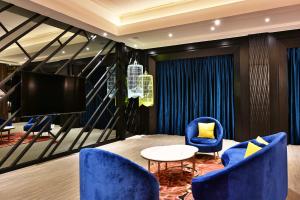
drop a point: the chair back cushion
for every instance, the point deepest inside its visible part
(206, 130)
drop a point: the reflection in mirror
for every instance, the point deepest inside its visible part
(59, 50)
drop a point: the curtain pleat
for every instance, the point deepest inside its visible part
(190, 88)
(294, 95)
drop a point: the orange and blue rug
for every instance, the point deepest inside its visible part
(15, 137)
(175, 183)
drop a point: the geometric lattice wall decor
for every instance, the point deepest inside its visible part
(111, 82)
(148, 98)
(259, 83)
(134, 83)
(71, 52)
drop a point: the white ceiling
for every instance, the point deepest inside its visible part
(146, 24)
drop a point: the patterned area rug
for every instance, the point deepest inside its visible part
(15, 137)
(175, 183)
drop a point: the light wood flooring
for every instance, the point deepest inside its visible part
(59, 179)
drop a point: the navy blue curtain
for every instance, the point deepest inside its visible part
(190, 88)
(294, 95)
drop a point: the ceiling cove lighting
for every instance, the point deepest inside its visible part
(217, 22)
(170, 35)
(212, 28)
(267, 19)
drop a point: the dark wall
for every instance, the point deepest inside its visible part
(260, 82)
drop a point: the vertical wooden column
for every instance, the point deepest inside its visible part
(120, 84)
(3, 104)
(152, 110)
(241, 91)
(144, 111)
(259, 83)
(278, 85)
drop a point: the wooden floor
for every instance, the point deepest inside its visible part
(59, 179)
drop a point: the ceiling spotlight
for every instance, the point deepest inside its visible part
(93, 37)
(170, 35)
(152, 52)
(104, 34)
(63, 52)
(217, 22)
(267, 20)
(88, 48)
(190, 48)
(212, 28)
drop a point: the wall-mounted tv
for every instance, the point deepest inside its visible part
(43, 94)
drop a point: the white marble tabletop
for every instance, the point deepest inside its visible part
(169, 153)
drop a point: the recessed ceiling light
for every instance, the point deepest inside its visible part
(104, 34)
(63, 52)
(87, 48)
(135, 45)
(190, 48)
(152, 52)
(267, 20)
(217, 22)
(170, 35)
(25, 58)
(212, 28)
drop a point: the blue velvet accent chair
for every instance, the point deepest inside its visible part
(39, 127)
(107, 176)
(261, 176)
(204, 144)
(3, 120)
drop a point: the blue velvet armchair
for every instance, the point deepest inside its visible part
(104, 175)
(39, 127)
(204, 144)
(3, 120)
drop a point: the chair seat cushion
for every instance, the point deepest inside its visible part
(199, 140)
(232, 156)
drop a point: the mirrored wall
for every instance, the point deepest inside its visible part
(40, 47)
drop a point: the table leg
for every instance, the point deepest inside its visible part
(193, 166)
(149, 163)
(158, 168)
(181, 162)
(166, 166)
(182, 167)
(8, 135)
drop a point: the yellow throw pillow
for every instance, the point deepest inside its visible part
(206, 130)
(251, 149)
(261, 140)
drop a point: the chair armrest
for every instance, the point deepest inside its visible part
(212, 185)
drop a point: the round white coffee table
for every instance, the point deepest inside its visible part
(170, 153)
